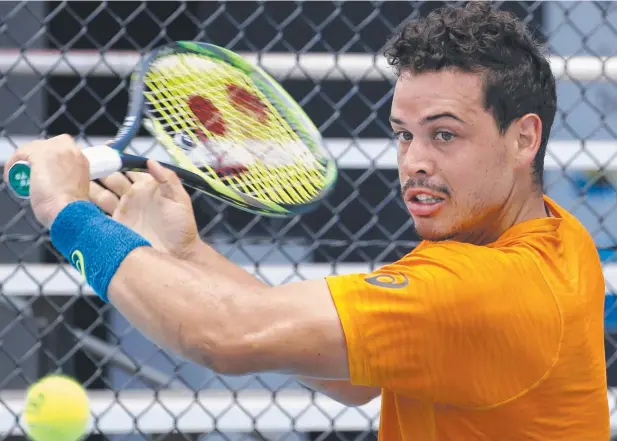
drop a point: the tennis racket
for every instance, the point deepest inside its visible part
(230, 130)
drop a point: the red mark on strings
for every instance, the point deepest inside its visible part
(248, 102)
(207, 114)
(212, 119)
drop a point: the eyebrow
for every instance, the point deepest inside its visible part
(428, 119)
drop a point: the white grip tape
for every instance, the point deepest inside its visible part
(103, 161)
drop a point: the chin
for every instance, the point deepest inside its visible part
(432, 232)
(436, 237)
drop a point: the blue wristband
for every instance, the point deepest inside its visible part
(93, 243)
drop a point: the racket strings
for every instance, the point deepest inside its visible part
(195, 78)
(291, 186)
(272, 182)
(187, 81)
(286, 184)
(275, 164)
(286, 187)
(187, 87)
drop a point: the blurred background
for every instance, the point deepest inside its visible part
(64, 68)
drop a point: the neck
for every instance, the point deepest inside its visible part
(517, 208)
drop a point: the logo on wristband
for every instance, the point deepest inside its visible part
(77, 259)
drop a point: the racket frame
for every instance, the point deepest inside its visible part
(135, 118)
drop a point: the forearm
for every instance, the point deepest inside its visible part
(342, 390)
(208, 259)
(199, 314)
(231, 326)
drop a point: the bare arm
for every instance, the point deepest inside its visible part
(206, 258)
(210, 260)
(340, 390)
(222, 319)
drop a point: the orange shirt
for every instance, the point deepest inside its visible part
(496, 342)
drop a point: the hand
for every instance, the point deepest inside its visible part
(59, 175)
(154, 205)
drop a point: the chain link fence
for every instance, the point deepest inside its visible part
(64, 68)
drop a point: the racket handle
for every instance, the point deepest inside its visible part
(103, 160)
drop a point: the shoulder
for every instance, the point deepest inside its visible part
(449, 262)
(507, 278)
(472, 260)
(451, 273)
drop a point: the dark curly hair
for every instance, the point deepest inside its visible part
(479, 38)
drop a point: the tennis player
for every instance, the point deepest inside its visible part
(491, 329)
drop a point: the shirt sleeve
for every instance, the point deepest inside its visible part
(461, 325)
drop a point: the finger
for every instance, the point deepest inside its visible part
(140, 191)
(138, 176)
(117, 183)
(39, 148)
(103, 198)
(168, 181)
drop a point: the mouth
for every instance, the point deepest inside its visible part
(423, 203)
(426, 199)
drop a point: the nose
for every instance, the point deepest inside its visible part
(416, 159)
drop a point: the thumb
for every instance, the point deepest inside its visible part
(169, 183)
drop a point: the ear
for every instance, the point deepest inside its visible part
(529, 138)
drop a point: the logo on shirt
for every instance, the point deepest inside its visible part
(77, 259)
(388, 280)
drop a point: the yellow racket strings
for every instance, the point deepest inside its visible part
(279, 167)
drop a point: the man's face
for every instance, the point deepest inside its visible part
(456, 169)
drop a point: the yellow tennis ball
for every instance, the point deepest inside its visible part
(56, 409)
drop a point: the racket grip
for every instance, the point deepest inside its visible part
(103, 160)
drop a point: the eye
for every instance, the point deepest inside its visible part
(403, 136)
(445, 136)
